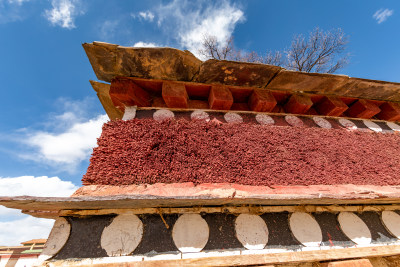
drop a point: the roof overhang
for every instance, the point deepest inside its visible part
(110, 61)
(96, 197)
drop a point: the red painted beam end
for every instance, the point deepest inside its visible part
(331, 106)
(175, 95)
(125, 91)
(262, 101)
(220, 98)
(363, 109)
(298, 104)
(390, 111)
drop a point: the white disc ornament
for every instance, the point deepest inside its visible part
(232, 117)
(130, 113)
(190, 233)
(163, 114)
(58, 237)
(122, 236)
(373, 126)
(347, 124)
(200, 115)
(264, 119)
(391, 220)
(354, 228)
(395, 127)
(251, 231)
(305, 229)
(294, 121)
(323, 123)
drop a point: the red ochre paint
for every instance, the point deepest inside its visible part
(147, 152)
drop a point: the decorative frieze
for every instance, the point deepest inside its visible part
(162, 236)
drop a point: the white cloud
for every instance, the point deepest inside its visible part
(35, 186)
(144, 44)
(61, 140)
(108, 29)
(6, 212)
(146, 15)
(12, 233)
(64, 12)
(18, 2)
(15, 227)
(69, 147)
(382, 15)
(189, 21)
(11, 11)
(115, 30)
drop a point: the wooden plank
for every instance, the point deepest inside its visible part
(348, 263)
(231, 209)
(252, 259)
(102, 90)
(146, 201)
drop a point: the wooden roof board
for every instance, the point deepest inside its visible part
(109, 61)
(189, 195)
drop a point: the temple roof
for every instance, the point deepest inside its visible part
(110, 61)
(34, 241)
(170, 78)
(165, 81)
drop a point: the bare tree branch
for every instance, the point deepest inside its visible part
(211, 48)
(322, 52)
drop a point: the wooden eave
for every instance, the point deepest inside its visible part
(110, 61)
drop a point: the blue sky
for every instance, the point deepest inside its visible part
(51, 117)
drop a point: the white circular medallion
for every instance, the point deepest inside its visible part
(130, 113)
(122, 236)
(372, 126)
(58, 237)
(163, 114)
(395, 127)
(251, 231)
(232, 117)
(294, 121)
(323, 123)
(391, 220)
(306, 229)
(200, 115)
(354, 228)
(190, 233)
(264, 119)
(347, 124)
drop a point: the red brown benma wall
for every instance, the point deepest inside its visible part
(146, 152)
